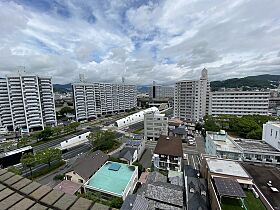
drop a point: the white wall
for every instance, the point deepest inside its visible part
(271, 134)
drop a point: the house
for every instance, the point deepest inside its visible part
(128, 154)
(135, 202)
(86, 166)
(174, 123)
(196, 190)
(138, 144)
(179, 132)
(168, 153)
(160, 194)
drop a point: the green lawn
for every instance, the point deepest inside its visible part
(251, 203)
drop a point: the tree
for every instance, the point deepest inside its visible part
(28, 160)
(57, 130)
(22, 141)
(45, 134)
(14, 170)
(65, 110)
(116, 202)
(103, 140)
(74, 125)
(48, 155)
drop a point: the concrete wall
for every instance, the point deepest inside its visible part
(271, 134)
(74, 177)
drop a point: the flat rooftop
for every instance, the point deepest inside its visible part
(112, 178)
(223, 142)
(261, 176)
(255, 145)
(226, 167)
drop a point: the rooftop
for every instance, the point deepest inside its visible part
(261, 176)
(226, 167)
(228, 187)
(135, 202)
(253, 145)
(169, 145)
(111, 181)
(17, 192)
(86, 166)
(68, 187)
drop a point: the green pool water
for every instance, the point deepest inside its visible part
(110, 180)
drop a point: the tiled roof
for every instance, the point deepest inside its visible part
(68, 187)
(17, 192)
(169, 145)
(135, 202)
(88, 165)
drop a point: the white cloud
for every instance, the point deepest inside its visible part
(141, 40)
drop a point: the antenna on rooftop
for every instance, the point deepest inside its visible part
(21, 69)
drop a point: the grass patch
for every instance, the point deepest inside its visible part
(46, 170)
(96, 197)
(250, 202)
(138, 131)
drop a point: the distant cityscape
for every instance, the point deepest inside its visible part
(126, 149)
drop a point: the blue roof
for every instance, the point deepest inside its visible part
(133, 143)
(114, 167)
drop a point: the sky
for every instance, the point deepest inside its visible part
(140, 40)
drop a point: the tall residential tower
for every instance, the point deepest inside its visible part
(26, 102)
(191, 99)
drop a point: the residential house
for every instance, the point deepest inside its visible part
(138, 144)
(128, 154)
(168, 153)
(135, 202)
(86, 166)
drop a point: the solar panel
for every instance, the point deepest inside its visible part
(114, 167)
(229, 187)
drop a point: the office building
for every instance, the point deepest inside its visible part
(168, 153)
(26, 102)
(234, 102)
(160, 91)
(155, 124)
(191, 98)
(271, 134)
(92, 100)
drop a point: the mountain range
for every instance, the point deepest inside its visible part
(259, 81)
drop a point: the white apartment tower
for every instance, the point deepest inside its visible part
(191, 99)
(239, 103)
(92, 100)
(26, 102)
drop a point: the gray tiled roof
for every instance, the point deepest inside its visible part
(135, 202)
(88, 165)
(17, 192)
(127, 153)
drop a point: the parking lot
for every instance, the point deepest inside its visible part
(193, 160)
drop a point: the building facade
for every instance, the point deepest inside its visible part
(168, 153)
(271, 134)
(160, 91)
(26, 102)
(155, 124)
(239, 102)
(95, 99)
(191, 98)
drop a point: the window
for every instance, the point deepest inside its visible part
(80, 181)
(276, 132)
(271, 132)
(68, 177)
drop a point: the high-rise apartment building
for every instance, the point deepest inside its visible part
(235, 102)
(95, 99)
(26, 102)
(161, 91)
(191, 99)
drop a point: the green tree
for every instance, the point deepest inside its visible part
(57, 130)
(14, 170)
(48, 155)
(23, 141)
(116, 202)
(66, 110)
(74, 125)
(28, 160)
(45, 134)
(103, 140)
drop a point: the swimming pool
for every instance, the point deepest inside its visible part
(109, 180)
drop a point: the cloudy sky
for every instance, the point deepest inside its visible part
(141, 40)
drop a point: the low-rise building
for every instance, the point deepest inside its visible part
(113, 180)
(128, 154)
(85, 167)
(271, 134)
(180, 132)
(138, 144)
(219, 144)
(222, 145)
(155, 124)
(168, 153)
(174, 123)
